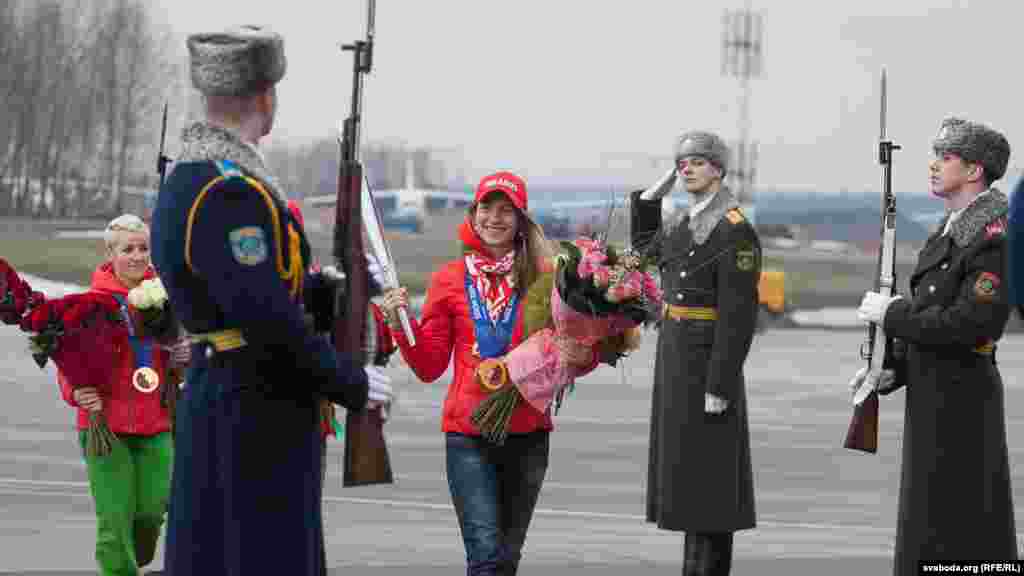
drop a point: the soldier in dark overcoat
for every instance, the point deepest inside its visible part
(699, 477)
(246, 487)
(955, 495)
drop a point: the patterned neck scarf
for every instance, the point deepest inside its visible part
(493, 279)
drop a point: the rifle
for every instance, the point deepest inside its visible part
(169, 395)
(863, 431)
(366, 452)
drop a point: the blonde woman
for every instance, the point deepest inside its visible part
(129, 486)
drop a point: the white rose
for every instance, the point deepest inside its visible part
(137, 297)
(155, 293)
(149, 294)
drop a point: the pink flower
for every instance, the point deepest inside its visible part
(586, 244)
(651, 289)
(589, 262)
(602, 277)
(628, 289)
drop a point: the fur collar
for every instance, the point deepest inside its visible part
(202, 141)
(976, 217)
(704, 223)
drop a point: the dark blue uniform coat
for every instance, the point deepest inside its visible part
(246, 486)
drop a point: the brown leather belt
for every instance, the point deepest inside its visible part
(689, 312)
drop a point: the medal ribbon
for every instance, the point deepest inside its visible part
(492, 337)
(142, 347)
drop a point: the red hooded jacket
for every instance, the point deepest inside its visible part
(446, 326)
(127, 410)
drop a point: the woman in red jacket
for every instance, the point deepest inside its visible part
(474, 308)
(131, 485)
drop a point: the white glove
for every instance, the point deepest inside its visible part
(375, 270)
(714, 404)
(380, 385)
(873, 307)
(877, 380)
(332, 273)
(662, 187)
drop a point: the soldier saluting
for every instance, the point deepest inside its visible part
(699, 473)
(246, 489)
(955, 495)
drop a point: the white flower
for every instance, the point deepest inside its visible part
(149, 294)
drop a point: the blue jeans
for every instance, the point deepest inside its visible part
(494, 490)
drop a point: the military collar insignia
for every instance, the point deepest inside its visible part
(978, 217)
(205, 142)
(996, 227)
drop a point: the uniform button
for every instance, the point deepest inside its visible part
(209, 352)
(944, 265)
(682, 274)
(679, 296)
(931, 289)
(691, 252)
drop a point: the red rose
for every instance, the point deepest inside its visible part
(16, 296)
(38, 318)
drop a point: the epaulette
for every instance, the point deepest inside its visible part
(734, 215)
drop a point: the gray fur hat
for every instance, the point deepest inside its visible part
(705, 144)
(237, 62)
(974, 143)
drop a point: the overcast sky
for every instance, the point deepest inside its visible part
(580, 88)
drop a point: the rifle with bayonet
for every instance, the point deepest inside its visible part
(169, 395)
(862, 433)
(366, 452)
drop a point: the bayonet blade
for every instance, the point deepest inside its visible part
(160, 155)
(370, 17)
(163, 130)
(882, 108)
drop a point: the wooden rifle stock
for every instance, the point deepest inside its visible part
(863, 431)
(366, 452)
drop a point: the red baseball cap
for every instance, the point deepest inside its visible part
(513, 186)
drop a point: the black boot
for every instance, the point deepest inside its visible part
(146, 535)
(707, 554)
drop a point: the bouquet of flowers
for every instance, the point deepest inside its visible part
(154, 310)
(79, 332)
(596, 293)
(16, 296)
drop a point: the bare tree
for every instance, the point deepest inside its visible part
(82, 83)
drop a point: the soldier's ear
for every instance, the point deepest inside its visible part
(975, 172)
(264, 101)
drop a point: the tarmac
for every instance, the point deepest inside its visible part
(821, 509)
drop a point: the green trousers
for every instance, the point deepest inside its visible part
(130, 488)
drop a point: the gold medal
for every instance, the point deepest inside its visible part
(492, 374)
(145, 379)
